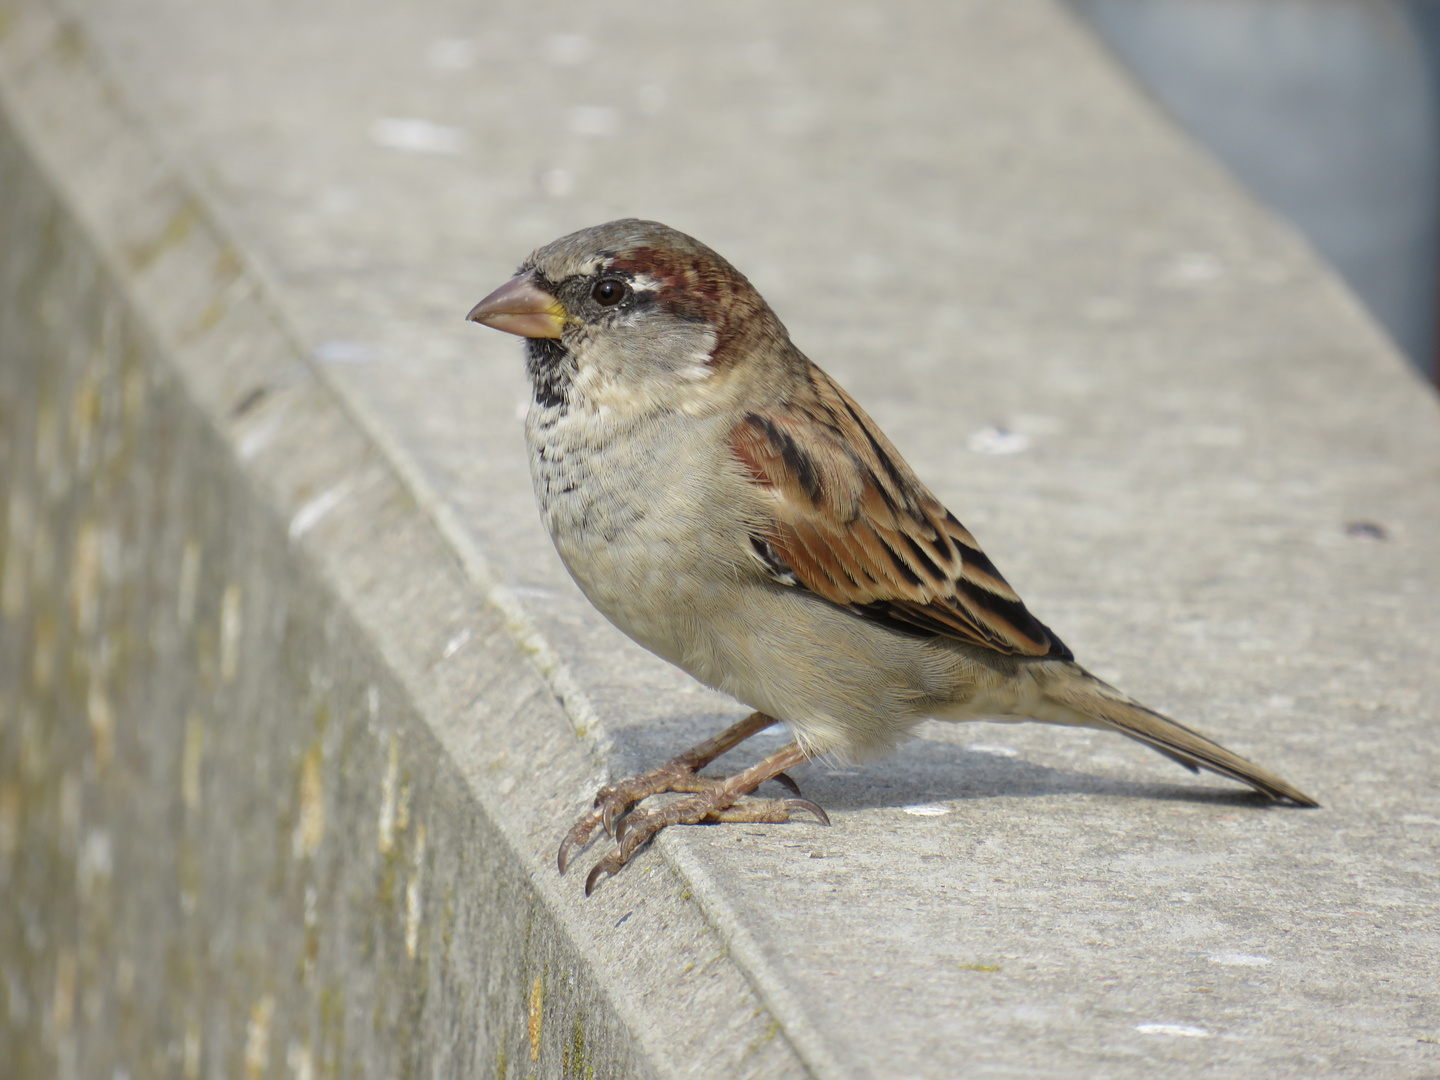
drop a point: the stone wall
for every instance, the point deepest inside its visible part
(226, 840)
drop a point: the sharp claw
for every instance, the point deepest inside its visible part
(594, 876)
(806, 804)
(786, 781)
(577, 839)
(638, 839)
(607, 817)
(622, 828)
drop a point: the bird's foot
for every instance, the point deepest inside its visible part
(613, 800)
(708, 799)
(715, 804)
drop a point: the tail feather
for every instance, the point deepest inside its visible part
(1081, 692)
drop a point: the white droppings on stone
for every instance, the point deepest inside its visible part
(997, 442)
(231, 626)
(995, 749)
(1238, 959)
(1191, 269)
(409, 135)
(1180, 1031)
(310, 515)
(338, 351)
(455, 644)
(259, 436)
(926, 809)
(594, 121)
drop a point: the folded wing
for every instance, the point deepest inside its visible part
(853, 524)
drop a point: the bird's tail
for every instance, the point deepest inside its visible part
(1100, 705)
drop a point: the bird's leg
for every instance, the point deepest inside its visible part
(716, 802)
(678, 774)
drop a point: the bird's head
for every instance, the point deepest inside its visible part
(632, 314)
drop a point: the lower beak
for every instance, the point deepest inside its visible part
(520, 306)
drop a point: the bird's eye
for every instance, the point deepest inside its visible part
(608, 292)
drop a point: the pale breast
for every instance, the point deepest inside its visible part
(625, 506)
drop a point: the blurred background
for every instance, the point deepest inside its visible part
(1327, 111)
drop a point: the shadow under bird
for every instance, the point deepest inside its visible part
(727, 505)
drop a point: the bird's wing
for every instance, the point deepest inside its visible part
(851, 522)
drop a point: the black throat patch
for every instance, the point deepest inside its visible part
(551, 369)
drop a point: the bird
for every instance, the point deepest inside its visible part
(727, 505)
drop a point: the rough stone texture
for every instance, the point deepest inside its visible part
(968, 216)
(267, 758)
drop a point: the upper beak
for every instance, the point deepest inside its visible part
(521, 307)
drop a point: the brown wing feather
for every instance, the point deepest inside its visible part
(854, 525)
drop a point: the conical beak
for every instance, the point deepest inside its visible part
(521, 307)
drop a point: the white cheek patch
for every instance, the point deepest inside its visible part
(696, 368)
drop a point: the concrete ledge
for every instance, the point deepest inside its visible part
(269, 801)
(297, 701)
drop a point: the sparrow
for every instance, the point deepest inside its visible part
(730, 507)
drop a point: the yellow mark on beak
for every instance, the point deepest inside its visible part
(522, 307)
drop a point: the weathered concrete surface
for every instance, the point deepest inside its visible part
(970, 218)
(267, 758)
